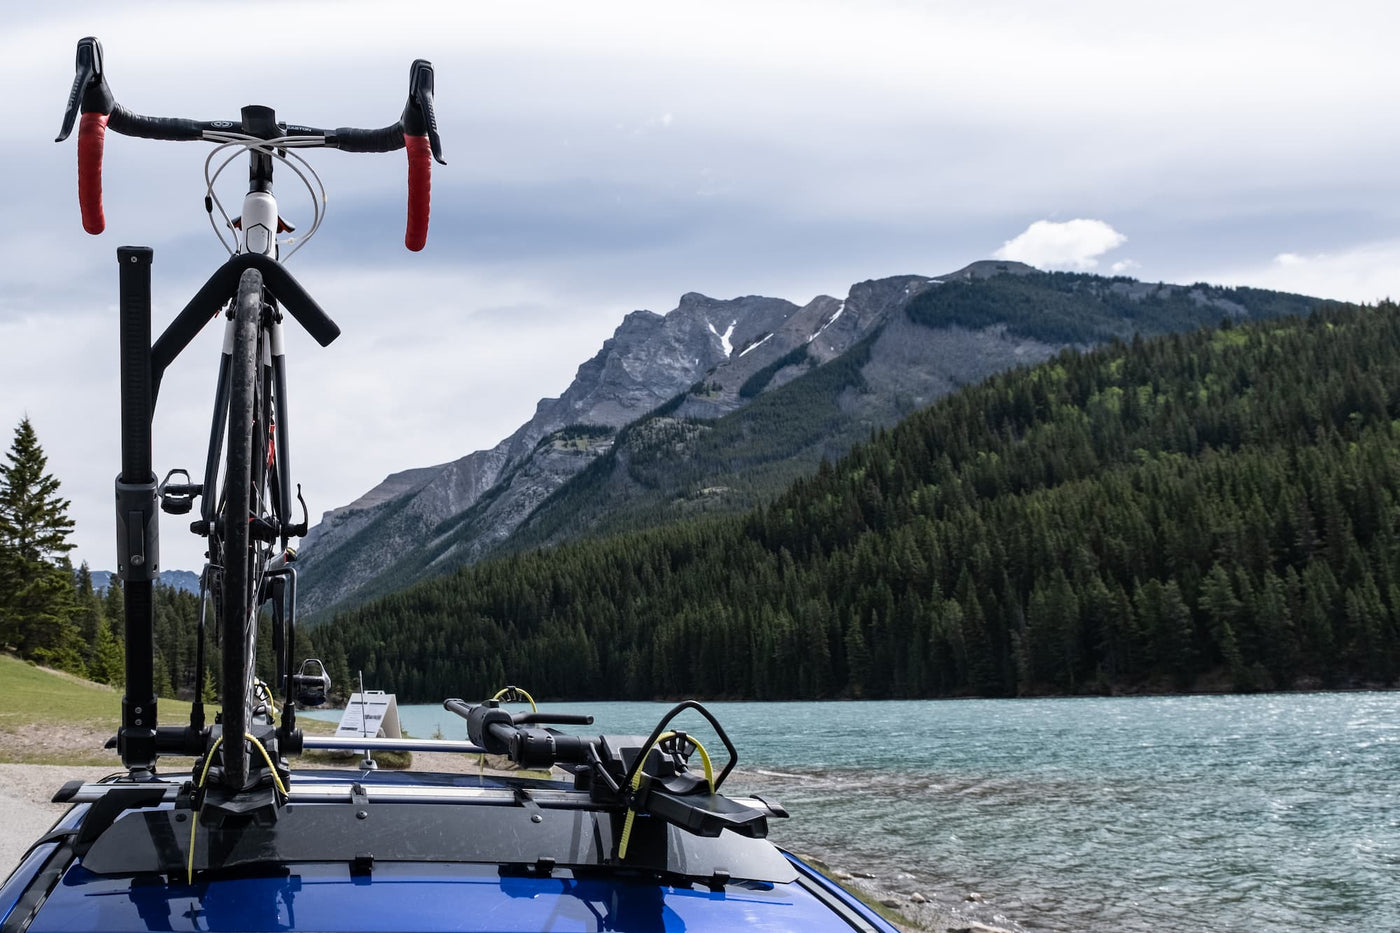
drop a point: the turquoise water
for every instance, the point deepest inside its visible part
(1155, 814)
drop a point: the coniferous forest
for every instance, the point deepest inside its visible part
(52, 614)
(1204, 511)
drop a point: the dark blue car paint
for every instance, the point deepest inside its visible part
(420, 897)
(425, 896)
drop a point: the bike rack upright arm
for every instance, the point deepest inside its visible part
(138, 536)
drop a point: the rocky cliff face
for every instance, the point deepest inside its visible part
(649, 359)
(827, 327)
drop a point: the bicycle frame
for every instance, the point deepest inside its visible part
(276, 582)
(256, 237)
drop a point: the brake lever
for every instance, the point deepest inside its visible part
(418, 116)
(300, 530)
(90, 92)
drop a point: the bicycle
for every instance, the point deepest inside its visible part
(249, 522)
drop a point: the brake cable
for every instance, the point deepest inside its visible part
(277, 149)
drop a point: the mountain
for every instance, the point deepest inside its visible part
(647, 361)
(719, 405)
(1210, 511)
(186, 581)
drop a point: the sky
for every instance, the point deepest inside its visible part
(610, 156)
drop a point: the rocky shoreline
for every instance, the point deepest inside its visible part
(912, 909)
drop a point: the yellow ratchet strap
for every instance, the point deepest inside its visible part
(509, 691)
(194, 819)
(204, 774)
(276, 780)
(637, 783)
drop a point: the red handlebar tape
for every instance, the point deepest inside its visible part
(92, 131)
(420, 161)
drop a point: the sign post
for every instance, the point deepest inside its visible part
(370, 714)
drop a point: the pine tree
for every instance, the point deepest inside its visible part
(857, 659)
(34, 521)
(88, 619)
(37, 594)
(108, 664)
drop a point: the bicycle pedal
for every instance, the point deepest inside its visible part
(173, 504)
(311, 683)
(178, 498)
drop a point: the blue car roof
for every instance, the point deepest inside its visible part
(501, 856)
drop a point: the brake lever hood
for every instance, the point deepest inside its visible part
(90, 92)
(418, 116)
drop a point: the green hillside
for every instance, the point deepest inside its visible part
(56, 718)
(1078, 308)
(1207, 511)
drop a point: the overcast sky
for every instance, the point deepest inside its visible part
(605, 157)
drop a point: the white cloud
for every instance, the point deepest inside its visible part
(1073, 244)
(1364, 272)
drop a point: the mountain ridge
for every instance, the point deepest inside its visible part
(187, 581)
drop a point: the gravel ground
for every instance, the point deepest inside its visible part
(25, 810)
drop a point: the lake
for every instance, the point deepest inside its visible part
(1220, 813)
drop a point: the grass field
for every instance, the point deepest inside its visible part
(49, 717)
(30, 694)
